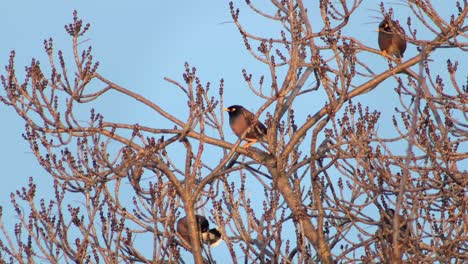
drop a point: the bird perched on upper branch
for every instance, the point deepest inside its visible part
(242, 121)
(211, 237)
(391, 42)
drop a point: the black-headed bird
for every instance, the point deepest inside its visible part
(242, 120)
(390, 42)
(385, 233)
(211, 237)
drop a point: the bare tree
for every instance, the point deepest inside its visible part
(335, 188)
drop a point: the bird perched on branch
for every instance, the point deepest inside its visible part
(211, 237)
(387, 218)
(385, 233)
(243, 121)
(391, 42)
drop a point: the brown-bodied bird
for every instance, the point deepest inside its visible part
(386, 226)
(211, 237)
(385, 233)
(387, 218)
(391, 42)
(242, 120)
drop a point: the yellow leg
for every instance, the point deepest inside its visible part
(384, 53)
(248, 144)
(399, 58)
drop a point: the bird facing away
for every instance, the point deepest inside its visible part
(242, 120)
(385, 232)
(390, 42)
(211, 237)
(386, 226)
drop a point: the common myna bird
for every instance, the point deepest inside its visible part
(385, 232)
(211, 237)
(387, 217)
(391, 42)
(242, 120)
(386, 226)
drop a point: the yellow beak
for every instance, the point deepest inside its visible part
(226, 109)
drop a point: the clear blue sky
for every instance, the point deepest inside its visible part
(138, 43)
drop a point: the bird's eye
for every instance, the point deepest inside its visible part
(233, 109)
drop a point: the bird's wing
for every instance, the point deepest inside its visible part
(259, 127)
(248, 116)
